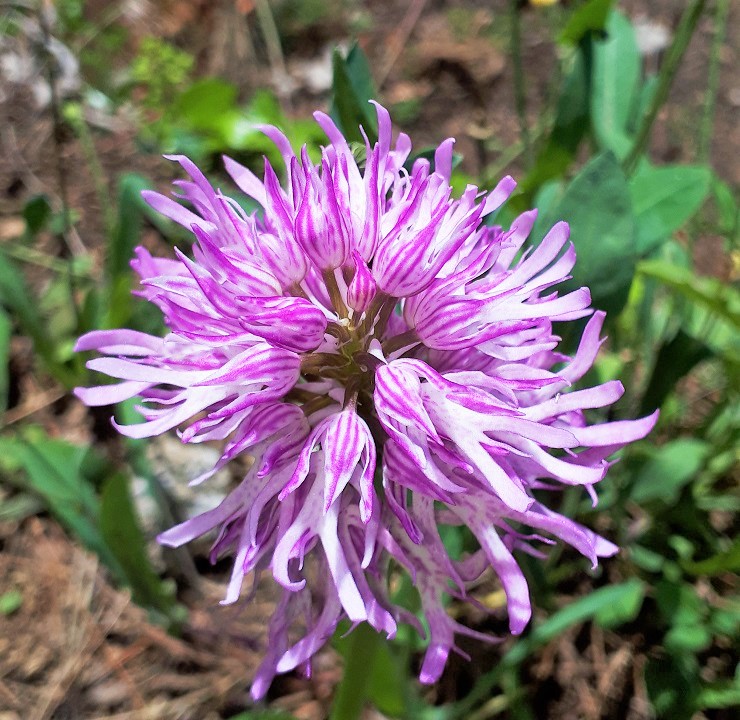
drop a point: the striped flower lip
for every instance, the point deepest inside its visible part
(388, 362)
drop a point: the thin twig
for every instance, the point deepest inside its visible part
(399, 39)
(681, 40)
(272, 41)
(721, 13)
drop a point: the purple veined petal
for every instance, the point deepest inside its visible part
(587, 349)
(349, 595)
(103, 395)
(620, 432)
(194, 403)
(443, 158)
(173, 210)
(362, 288)
(342, 445)
(315, 639)
(120, 342)
(498, 196)
(246, 180)
(595, 397)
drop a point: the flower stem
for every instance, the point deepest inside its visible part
(349, 700)
(670, 66)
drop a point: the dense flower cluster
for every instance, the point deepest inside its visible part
(388, 361)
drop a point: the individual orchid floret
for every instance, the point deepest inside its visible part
(388, 363)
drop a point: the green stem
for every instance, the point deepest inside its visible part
(720, 32)
(670, 66)
(349, 701)
(519, 86)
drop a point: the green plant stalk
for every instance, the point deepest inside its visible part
(100, 182)
(668, 70)
(56, 118)
(351, 693)
(721, 13)
(520, 94)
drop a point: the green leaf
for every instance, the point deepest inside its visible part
(626, 610)
(678, 603)
(128, 225)
(352, 89)
(725, 561)
(674, 360)
(707, 292)
(204, 102)
(727, 206)
(673, 684)
(571, 123)
(615, 85)
(15, 295)
(671, 467)
(10, 602)
(664, 198)
(36, 213)
(687, 638)
(722, 694)
(588, 18)
(387, 684)
(598, 604)
(54, 470)
(122, 533)
(598, 208)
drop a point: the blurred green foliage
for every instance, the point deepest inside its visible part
(670, 501)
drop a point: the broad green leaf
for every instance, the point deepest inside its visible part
(671, 467)
(122, 534)
(706, 292)
(352, 88)
(598, 208)
(203, 102)
(589, 17)
(664, 198)
(6, 332)
(674, 360)
(615, 85)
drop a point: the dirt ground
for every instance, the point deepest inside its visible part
(78, 648)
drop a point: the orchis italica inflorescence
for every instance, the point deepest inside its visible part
(388, 361)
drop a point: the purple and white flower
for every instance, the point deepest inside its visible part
(389, 363)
